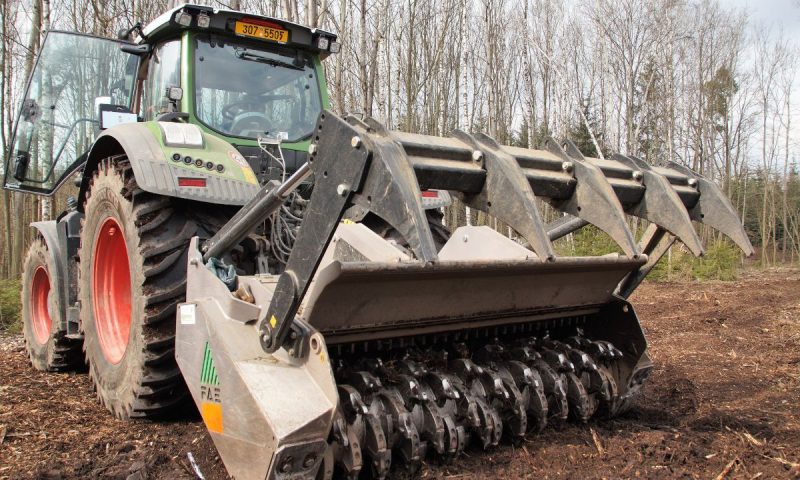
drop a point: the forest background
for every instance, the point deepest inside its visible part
(699, 82)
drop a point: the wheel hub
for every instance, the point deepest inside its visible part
(40, 314)
(111, 291)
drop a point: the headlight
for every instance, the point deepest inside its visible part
(183, 18)
(203, 20)
(181, 135)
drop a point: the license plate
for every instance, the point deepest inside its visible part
(259, 31)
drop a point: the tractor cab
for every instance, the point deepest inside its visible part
(246, 79)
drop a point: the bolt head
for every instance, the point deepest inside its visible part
(637, 175)
(266, 337)
(477, 156)
(309, 461)
(693, 182)
(356, 142)
(567, 166)
(342, 190)
(312, 149)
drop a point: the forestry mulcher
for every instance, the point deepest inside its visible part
(233, 240)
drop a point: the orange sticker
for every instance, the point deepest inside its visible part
(212, 415)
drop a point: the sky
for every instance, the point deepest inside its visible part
(775, 12)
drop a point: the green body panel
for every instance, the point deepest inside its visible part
(214, 149)
(157, 172)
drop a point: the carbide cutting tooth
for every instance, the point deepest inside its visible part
(492, 352)
(442, 386)
(485, 421)
(553, 383)
(345, 447)
(599, 351)
(444, 398)
(364, 382)
(411, 367)
(463, 409)
(376, 448)
(555, 389)
(581, 360)
(557, 360)
(351, 402)
(578, 341)
(401, 434)
(465, 368)
(503, 395)
(581, 405)
(530, 384)
(615, 353)
(433, 425)
(525, 354)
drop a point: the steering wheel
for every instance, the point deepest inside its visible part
(233, 110)
(249, 124)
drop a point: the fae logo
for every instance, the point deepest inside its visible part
(210, 398)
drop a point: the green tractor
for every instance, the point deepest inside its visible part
(163, 138)
(234, 241)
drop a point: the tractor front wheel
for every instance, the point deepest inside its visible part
(132, 277)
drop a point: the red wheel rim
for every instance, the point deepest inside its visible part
(40, 314)
(111, 291)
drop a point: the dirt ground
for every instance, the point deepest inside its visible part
(723, 402)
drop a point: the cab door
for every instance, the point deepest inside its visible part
(57, 120)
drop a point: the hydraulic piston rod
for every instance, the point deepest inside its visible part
(268, 200)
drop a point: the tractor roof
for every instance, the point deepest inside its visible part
(234, 23)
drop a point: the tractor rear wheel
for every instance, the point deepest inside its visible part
(132, 277)
(46, 342)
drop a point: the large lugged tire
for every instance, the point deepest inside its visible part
(48, 347)
(132, 277)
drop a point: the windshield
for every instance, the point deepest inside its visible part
(247, 91)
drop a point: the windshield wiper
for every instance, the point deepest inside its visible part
(244, 54)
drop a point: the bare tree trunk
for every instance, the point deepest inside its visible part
(18, 235)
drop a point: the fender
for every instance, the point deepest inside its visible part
(49, 232)
(211, 170)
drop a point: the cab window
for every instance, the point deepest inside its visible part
(163, 72)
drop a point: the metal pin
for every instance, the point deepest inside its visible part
(355, 142)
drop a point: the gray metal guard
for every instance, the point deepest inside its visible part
(360, 162)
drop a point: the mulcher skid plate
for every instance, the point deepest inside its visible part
(363, 354)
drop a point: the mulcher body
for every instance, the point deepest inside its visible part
(235, 241)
